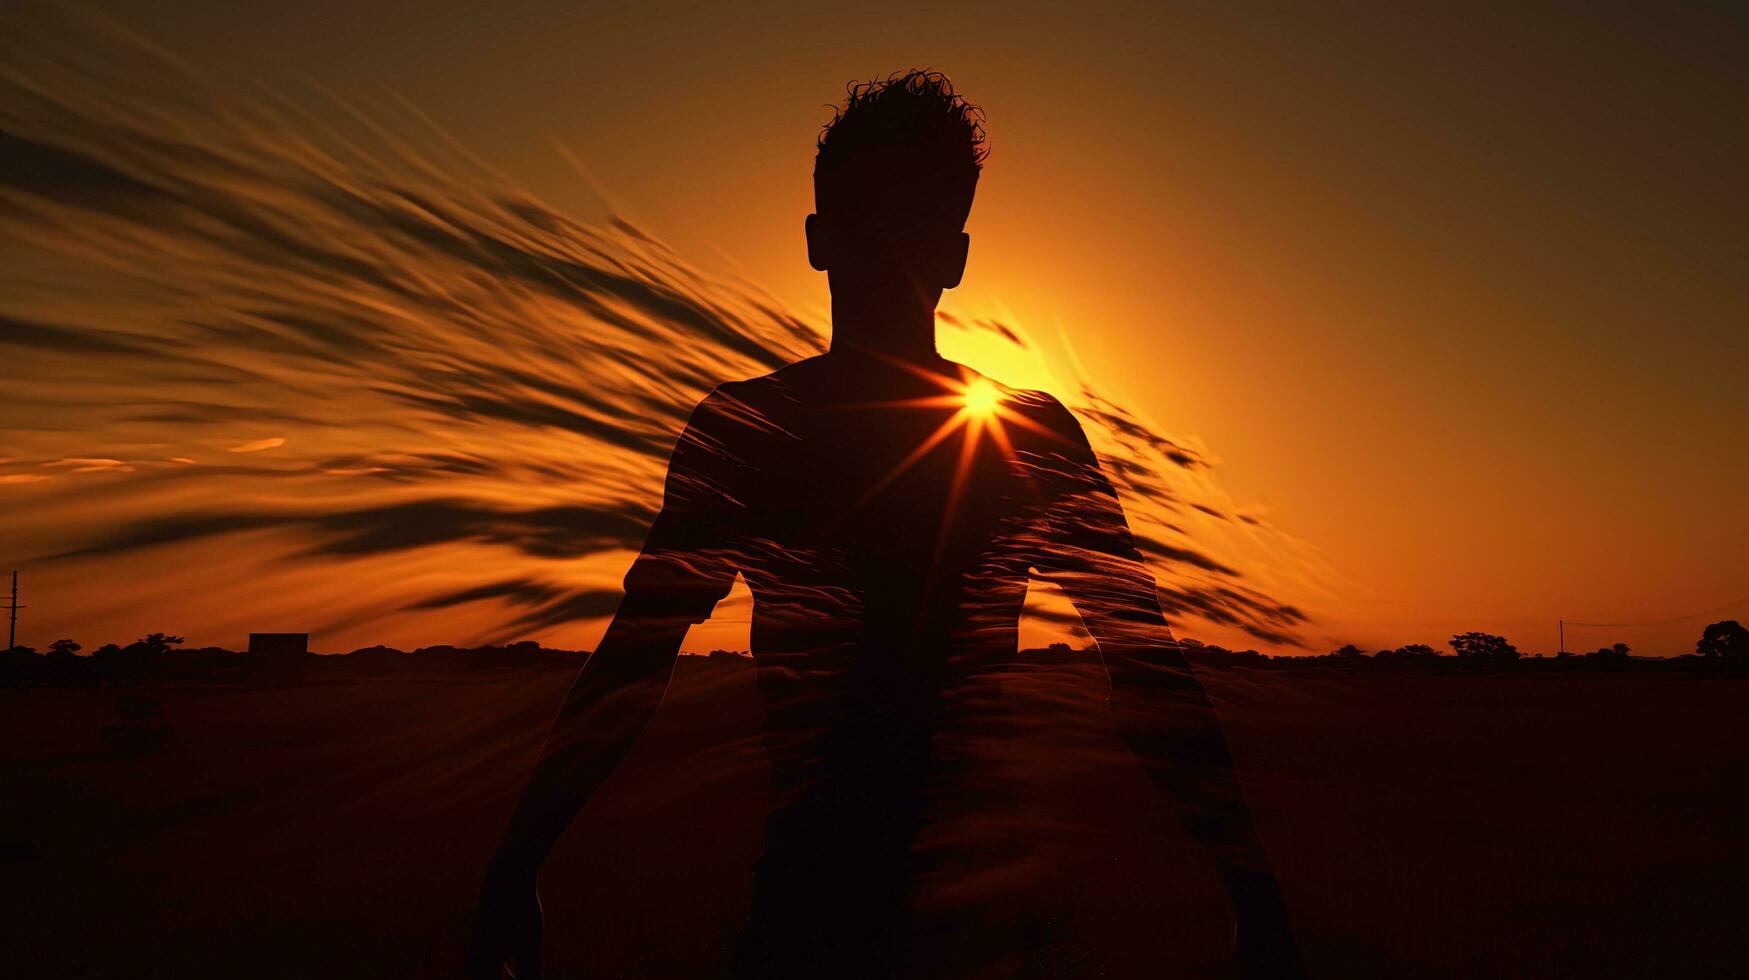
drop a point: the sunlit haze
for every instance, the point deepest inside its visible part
(1445, 310)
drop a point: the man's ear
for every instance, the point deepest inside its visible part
(819, 255)
(953, 267)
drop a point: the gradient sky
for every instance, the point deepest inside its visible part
(1456, 296)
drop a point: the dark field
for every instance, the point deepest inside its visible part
(1592, 825)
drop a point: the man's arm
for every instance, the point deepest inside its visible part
(1159, 707)
(612, 700)
(685, 568)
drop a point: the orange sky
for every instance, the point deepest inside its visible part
(1456, 298)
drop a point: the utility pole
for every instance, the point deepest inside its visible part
(12, 630)
(1563, 635)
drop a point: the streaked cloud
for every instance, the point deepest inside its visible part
(257, 445)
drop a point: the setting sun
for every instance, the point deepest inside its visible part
(981, 397)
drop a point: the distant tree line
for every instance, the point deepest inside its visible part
(61, 666)
(155, 658)
(1722, 644)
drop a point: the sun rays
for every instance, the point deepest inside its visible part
(981, 398)
(979, 407)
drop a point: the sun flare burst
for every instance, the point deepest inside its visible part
(979, 408)
(981, 398)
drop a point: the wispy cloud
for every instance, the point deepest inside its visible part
(257, 445)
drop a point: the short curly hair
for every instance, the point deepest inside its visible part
(903, 153)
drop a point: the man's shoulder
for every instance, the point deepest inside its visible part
(1034, 402)
(751, 404)
(766, 384)
(1049, 418)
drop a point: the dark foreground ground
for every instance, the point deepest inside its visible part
(1591, 825)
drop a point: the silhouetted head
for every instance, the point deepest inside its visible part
(893, 184)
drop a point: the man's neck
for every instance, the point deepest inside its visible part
(881, 330)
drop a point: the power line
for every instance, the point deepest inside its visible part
(12, 628)
(1661, 622)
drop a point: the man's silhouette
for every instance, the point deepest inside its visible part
(886, 508)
